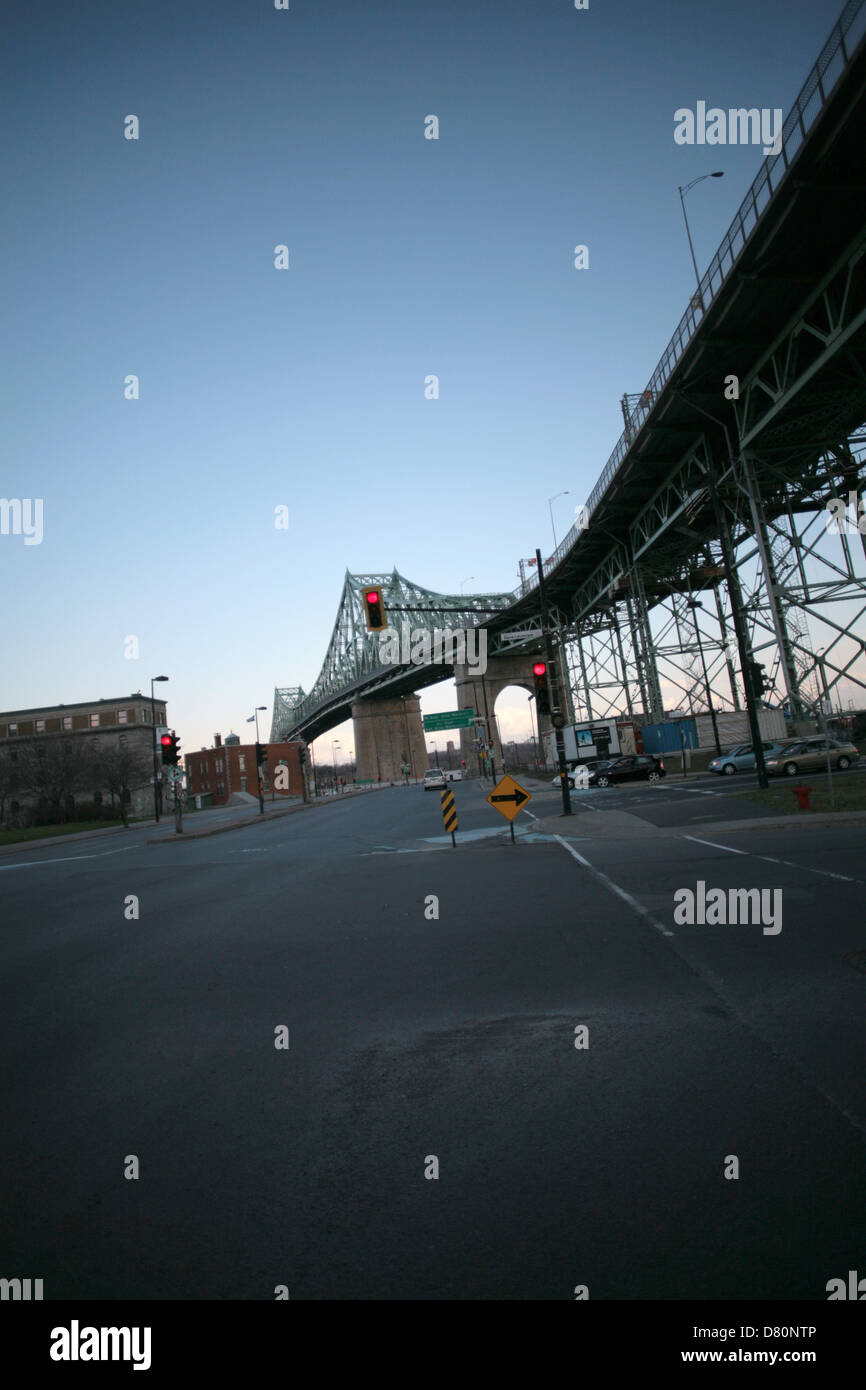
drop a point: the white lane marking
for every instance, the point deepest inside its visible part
(713, 845)
(67, 859)
(529, 813)
(615, 888)
(825, 873)
(806, 868)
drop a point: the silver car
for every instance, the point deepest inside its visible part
(741, 759)
(433, 778)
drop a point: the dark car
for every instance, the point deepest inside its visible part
(630, 768)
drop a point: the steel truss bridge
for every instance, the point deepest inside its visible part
(705, 540)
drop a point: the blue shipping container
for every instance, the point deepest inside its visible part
(665, 738)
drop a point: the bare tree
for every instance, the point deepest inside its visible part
(53, 769)
(119, 768)
(10, 778)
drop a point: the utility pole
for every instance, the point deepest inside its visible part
(556, 715)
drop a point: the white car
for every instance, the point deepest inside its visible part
(455, 776)
(434, 777)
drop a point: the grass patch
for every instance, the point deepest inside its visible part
(849, 794)
(41, 832)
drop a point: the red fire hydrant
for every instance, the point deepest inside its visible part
(802, 795)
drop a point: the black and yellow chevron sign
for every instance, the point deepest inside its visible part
(449, 810)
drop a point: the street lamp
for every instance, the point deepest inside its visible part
(719, 174)
(157, 784)
(255, 716)
(550, 502)
(335, 744)
(531, 698)
(466, 581)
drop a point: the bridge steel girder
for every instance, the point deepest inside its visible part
(353, 668)
(649, 520)
(816, 340)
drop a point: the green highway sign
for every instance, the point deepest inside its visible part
(450, 719)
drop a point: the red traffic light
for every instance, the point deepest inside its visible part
(166, 740)
(540, 668)
(374, 610)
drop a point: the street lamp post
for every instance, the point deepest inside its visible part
(157, 784)
(335, 744)
(823, 720)
(719, 174)
(550, 502)
(466, 581)
(530, 698)
(258, 764)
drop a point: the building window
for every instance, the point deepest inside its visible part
(142, 716)
(94, 721)
(121, 716)
(122, 740)
(219, 764)
(221, 791)
(242, 762)
(243, 784)
(40, 726)
(13, 730)
(67, 722)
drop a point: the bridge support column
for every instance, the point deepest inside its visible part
(478, 692)
(389, 732)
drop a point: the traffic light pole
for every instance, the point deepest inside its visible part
(259, 761)
(556, 708)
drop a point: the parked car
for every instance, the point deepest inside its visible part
(633, 767)
(454, 776)
(434, 777)
(810, 755)
(741, 758)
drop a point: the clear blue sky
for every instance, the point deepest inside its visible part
(305, 387)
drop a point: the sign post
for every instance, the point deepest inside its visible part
(449, 813)
(508, 798)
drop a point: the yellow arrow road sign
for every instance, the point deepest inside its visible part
(508, 797)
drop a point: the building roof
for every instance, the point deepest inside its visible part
(83, 704)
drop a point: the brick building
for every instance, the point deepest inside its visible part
(90, 751)
(216, 773)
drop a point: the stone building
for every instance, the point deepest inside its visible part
(95, 751)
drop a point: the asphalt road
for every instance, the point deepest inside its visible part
(415, 1036)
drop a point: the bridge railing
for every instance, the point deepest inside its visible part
(845, 36)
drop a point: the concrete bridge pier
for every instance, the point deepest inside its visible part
(472, 688)
(389, 732)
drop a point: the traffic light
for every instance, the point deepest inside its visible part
(374, 610)
(759, 681)
(302, 756)
(170, 749)
(261, 755)
(542, 690)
